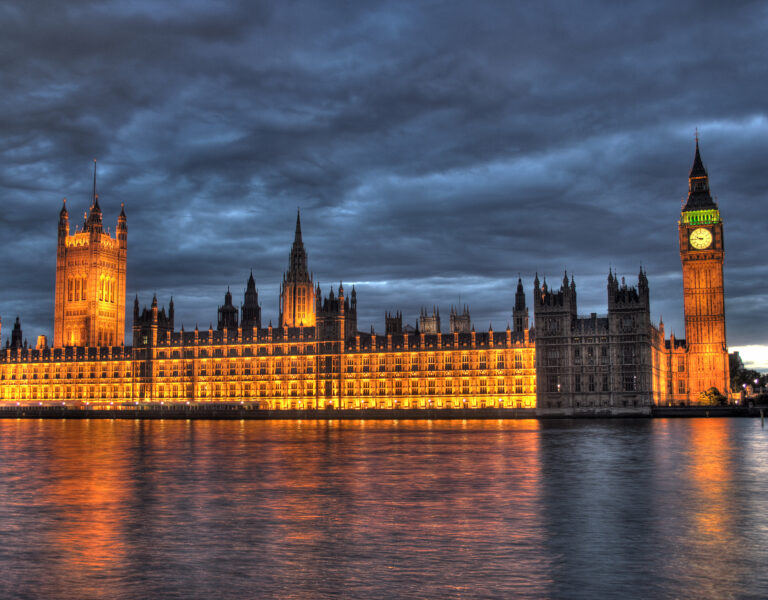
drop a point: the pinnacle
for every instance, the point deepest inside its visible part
(699, 197)
(697, 170)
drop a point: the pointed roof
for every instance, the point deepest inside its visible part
(697, 170)
(520, 294)
(250, 287)
(297, 268)
(63, 212)
(699, 197)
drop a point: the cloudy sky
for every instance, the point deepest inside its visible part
(436, 149)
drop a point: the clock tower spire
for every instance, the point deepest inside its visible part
(702, 251)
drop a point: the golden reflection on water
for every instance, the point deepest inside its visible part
(89, 488)
(714, 533)
(711, 473)
(366, 509)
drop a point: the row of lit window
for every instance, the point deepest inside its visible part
(19, 372)
(422, 403)
(367, 388)
(63, 392)
(358, 363)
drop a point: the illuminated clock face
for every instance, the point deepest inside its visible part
(700, 238)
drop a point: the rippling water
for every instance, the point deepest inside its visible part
(456, 509)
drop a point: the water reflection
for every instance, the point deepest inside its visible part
(706, 491)
(372, 509)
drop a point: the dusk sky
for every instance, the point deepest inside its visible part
(437, 150)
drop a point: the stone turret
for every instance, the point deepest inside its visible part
(17, 337)
(460, 322)
(393, 322)
(227, 313)
(337, 317)
(554, 312)
(152, 324)
(251, 309)
(520, 312)
(429, 323)
(628, 306)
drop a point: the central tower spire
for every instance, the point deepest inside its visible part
(297, 269)
(297, 292)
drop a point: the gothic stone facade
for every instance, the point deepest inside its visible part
(608, 364)
(317, 357)
(328, 364)
(621, 362)
(90, 281)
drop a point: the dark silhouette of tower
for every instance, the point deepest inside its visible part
(520, 312)
(250, 310)
(227, 313)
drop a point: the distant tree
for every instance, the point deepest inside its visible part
(735, 367)
(712, 397)
(741, 376)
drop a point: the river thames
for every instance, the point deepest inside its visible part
(636, 508)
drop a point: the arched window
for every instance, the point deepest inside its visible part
(70, 289)
(77, 289)
(101, 287)
(84, 296)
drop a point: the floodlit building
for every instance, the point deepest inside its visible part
(317, 358)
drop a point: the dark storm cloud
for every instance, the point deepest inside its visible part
(437, 150)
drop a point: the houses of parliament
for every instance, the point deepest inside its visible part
(317, 358)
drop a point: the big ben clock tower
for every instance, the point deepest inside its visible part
(701, 252)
